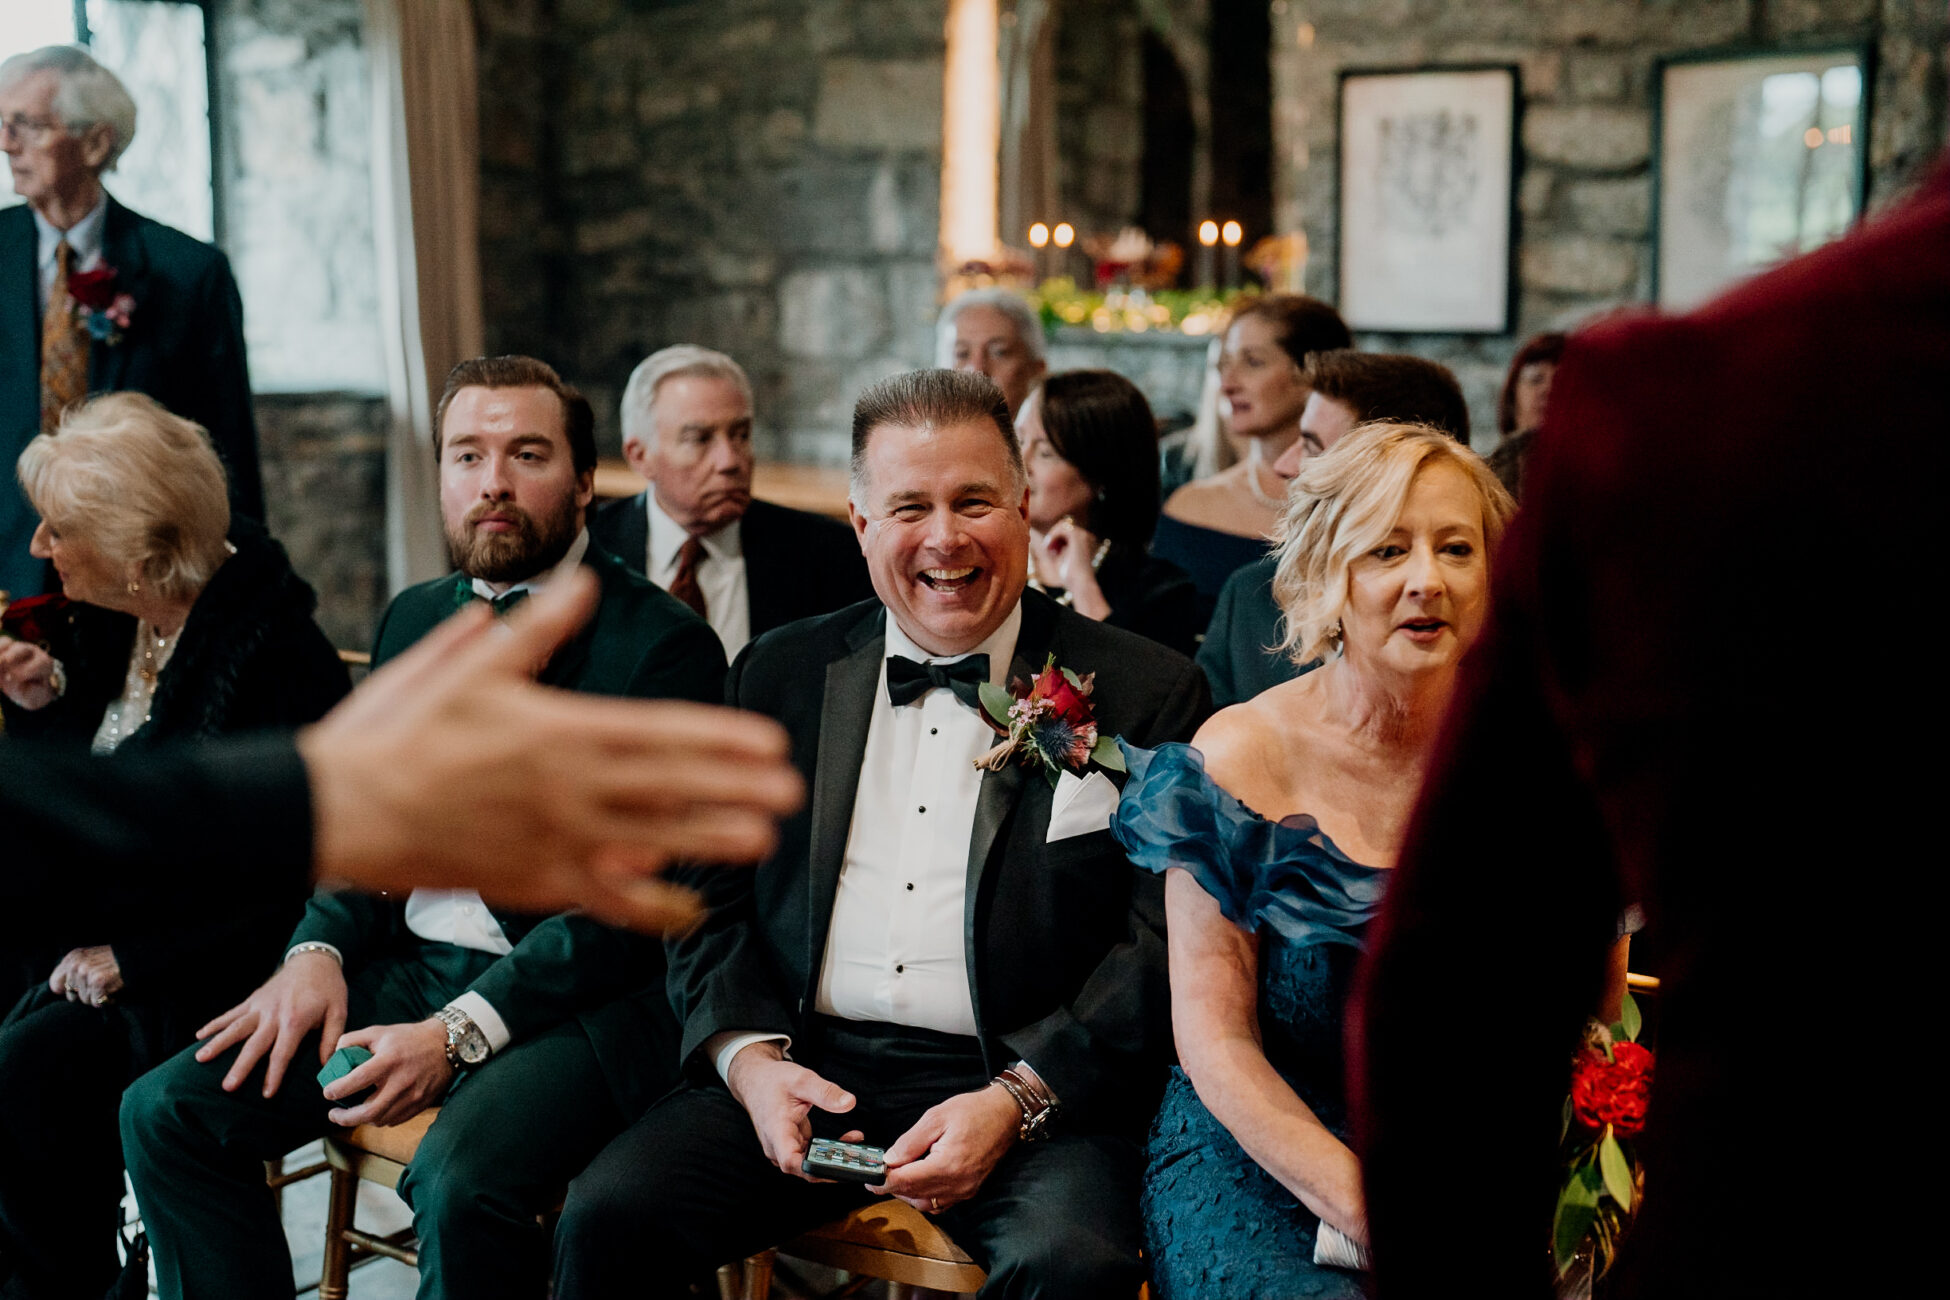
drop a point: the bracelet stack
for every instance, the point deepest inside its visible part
(1033, 1098)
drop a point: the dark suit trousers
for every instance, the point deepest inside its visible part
(688, 1187)
(62, 1069)
(509, 1136)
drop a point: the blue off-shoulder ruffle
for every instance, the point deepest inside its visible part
(1286, 875)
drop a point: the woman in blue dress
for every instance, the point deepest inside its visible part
(1275, 830)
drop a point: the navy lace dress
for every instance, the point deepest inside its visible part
(1216, 1224)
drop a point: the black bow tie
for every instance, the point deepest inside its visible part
(908, 681)
(465, 595)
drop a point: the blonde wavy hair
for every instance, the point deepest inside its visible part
(1344, 504)
(141, 486)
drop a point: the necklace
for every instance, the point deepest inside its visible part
(1069, 597)
(1260, 494)
(127, 715)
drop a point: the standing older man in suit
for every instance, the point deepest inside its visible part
(745, 566)
(1714, 498)
(927, 927)
(96, 298)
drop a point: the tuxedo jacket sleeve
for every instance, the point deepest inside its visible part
(228, 818)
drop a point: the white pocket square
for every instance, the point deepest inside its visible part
(1080, 806)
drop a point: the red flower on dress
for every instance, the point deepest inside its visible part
(1612, 1091)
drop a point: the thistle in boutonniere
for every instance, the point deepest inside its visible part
(1611, 1085)
(1048, 722)
(104, 312)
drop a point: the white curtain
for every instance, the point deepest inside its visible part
(426, 201)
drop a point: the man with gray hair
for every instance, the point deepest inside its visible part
(746, 566)
(95, 298)
(995, 333)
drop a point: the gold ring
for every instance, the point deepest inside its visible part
(934, 1205)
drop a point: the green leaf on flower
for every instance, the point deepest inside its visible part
(1630, 1020)
(1577, 1210)
(995, 702)
(1617, 1170)
(1107, 755)
(1565, 1131)
(1076, 683)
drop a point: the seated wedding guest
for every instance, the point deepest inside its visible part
(1093, 502)
(1666, 755)
(174, 634)
(1241, 653)
(995, 333)
(1520, 406)
(744, 566)
(96, 298)
(1275, 830)
(1212, 526)
(1207, 445)
(956, 960)
(552, 1031)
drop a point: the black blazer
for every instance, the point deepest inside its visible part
(644, 643)
(1246, 621)
(1065, 941)
(797, 565)
(1151, 597)
(184, 347)
(249, 658)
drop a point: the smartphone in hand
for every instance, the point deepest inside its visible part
(848, 1162)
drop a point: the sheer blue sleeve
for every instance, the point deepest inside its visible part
(1287, 875)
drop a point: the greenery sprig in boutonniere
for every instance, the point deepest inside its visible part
(104, 312)
(1048, 722)
(1611, 1085)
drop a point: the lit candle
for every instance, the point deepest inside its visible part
(1039, 240)
(1232, 233)
(1064, 235)
(1208, 238)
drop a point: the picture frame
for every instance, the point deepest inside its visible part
(1427, 188)
(1740, 181)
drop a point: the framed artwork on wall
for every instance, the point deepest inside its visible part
(1428, 198)
(1758, 156)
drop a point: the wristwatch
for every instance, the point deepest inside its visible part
(466, 1044)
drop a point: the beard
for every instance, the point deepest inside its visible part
(536, 543)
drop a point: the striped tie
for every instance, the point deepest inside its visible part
(64, 346)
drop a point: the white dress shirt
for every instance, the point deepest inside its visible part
(720, 574)
(896, 948)
(458, 916)
(84, 237)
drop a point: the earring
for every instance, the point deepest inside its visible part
(135, 588)
(1334, 632)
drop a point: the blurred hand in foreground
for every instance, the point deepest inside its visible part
(451, 768)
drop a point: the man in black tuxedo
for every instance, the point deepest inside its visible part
(926, 927)
(177, 333)
(745, 566)
(552, 1032)
(1241, 655)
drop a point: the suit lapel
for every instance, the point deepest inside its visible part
(107, 366)
(767, 568)
(20, 330)
(846, 713)
(1002, 789)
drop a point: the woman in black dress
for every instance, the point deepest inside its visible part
(172, 631)
(1091, 449)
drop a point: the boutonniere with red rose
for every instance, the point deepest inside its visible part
(33, 619)
(1611, 1086)
(1048, 721)
(100, 308)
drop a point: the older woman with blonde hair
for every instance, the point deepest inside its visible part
(172, 631)
(1275, 830)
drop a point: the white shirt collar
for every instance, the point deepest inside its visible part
(567, 564)
(667, 537)
(84, 237)
(999, 646)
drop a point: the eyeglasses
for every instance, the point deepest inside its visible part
(29, 130)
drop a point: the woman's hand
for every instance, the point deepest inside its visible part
(90, 975)
(27, 674)
(1068, 550)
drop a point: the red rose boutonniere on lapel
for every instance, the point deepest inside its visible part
(105, 312)
(1048, 722)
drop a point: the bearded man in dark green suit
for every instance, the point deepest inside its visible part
(542, 1037)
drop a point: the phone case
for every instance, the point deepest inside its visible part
(847, 1162)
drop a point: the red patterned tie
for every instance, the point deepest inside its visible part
(64, 346)
(684, 585)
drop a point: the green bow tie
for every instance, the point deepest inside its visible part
(465, 595)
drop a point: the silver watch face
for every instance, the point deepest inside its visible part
(473, 1045)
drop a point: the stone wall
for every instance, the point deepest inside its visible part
(760, 176)
(325, 491)
(1584, 179)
